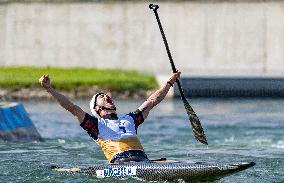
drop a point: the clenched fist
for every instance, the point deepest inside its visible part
(45, 81)
(174, 77)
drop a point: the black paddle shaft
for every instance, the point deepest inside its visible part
(155, 8)
(196, 125)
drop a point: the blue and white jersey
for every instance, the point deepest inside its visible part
(115, 135)
(113, 129)
(123, 127)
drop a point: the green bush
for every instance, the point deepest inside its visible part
(70, 78)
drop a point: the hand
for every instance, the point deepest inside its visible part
(45, 81)
(174, 77)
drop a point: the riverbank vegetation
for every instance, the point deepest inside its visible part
(76, 1)
(78, 80)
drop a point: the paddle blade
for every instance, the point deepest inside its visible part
(195, 123)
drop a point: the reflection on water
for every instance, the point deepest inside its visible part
(237, 130)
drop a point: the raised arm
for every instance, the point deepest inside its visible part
(61, 99)
(158, 96)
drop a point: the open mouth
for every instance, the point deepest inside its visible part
(108, 99)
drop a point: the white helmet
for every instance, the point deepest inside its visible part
(93, 103)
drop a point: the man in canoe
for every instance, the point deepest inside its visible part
(117, 136)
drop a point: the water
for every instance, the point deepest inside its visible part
(237, 130)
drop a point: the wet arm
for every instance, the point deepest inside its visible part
(61, 99)
(67, 104)
(154, 99)
(159, 95)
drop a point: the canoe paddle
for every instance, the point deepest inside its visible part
(195, 123)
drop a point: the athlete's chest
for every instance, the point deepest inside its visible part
(116, 129)
(118, 125)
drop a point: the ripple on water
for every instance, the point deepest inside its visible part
(237, 130)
